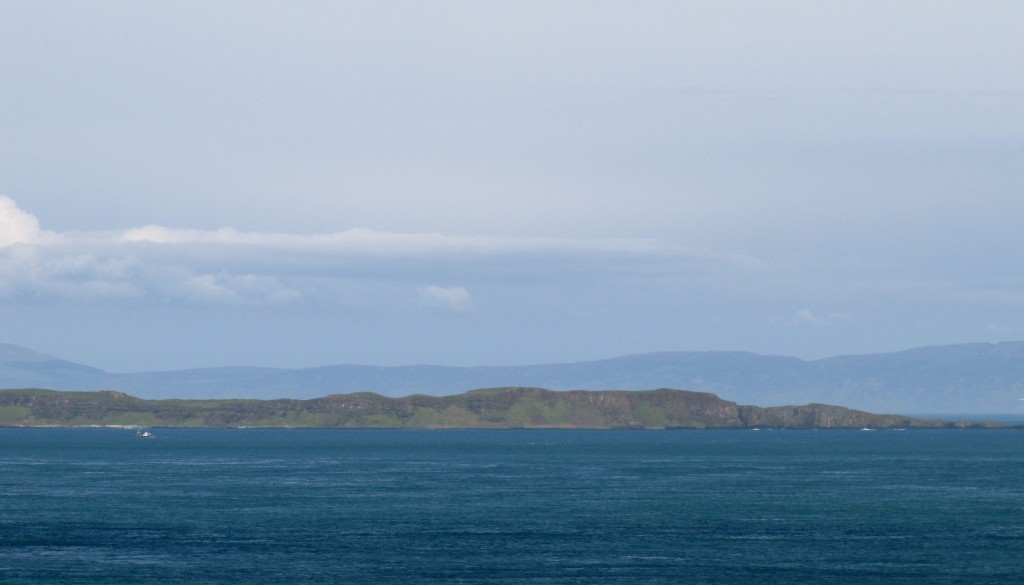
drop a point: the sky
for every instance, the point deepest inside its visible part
(290, 184)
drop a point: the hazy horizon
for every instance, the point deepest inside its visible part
(515, 365)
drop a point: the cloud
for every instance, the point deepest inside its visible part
(16, 226)
(227, 265)
(807, 317)
(455, 298)
(30, 270)
(230, 288)
(361, 241)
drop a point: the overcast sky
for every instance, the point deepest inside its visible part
(304, 183)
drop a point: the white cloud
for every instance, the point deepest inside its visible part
(230, 266)
(205, 287)
(455, 298)
(156, 234)
(30, 270)
(808, 317)
(19, 226)
(16, 226)
(361, 241)
(230, 288)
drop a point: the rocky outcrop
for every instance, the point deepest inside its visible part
(823, 416)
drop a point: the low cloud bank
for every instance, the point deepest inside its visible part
(230, 266)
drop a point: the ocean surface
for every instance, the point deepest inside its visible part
(595, 507)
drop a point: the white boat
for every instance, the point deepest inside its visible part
(144, 434)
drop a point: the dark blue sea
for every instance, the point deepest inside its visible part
(596, 507)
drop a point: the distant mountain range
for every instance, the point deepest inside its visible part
(977, 378)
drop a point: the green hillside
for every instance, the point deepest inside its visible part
(495, 408)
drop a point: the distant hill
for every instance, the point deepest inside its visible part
(494, 408)
(21, 367)
(971, 378)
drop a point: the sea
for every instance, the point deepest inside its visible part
(267, 506)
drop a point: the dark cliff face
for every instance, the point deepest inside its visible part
(823, 416)
(488, 408)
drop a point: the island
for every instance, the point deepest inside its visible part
(490, 408)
